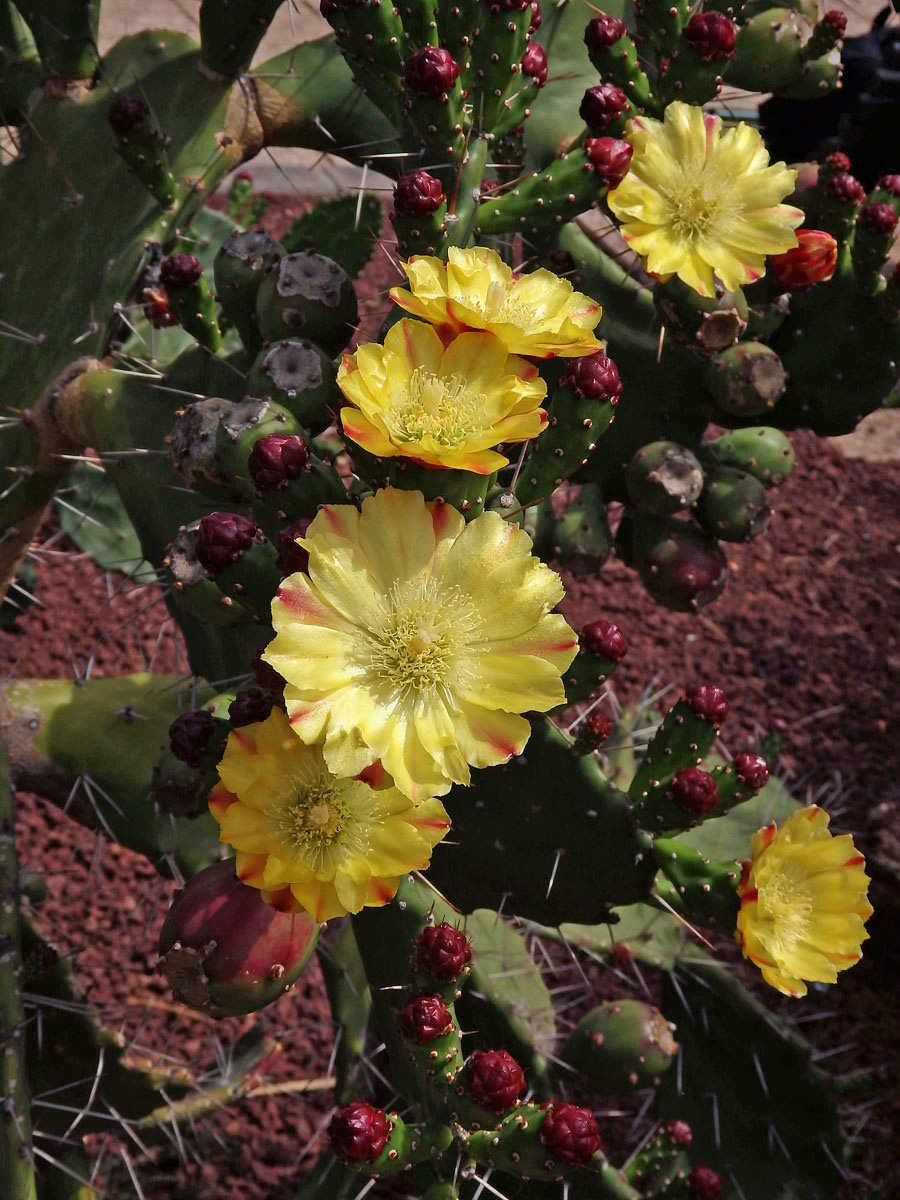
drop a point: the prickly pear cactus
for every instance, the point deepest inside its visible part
(357, 540)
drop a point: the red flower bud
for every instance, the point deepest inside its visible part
(189, 735)
(536, 17)
(180, 271)
(359, 1132)
(417, 195)
(602, 32)
(127, 113)
(712, 35)
(704, 1184)
(570, 1133)
(431, 72)
(878, 218)
(835, 22)
(845, 188)
(604, 639)
(223, 538)
(593, 376)
(534, 63)
(495, 1079)
(291, 557)
(695, 790)
(680, 1133)
(425, 1018)
(592, 733)
(276, 459)
(708, 702)
(443, 951)
(838, 161)
(248, 707)
(602, 105)
(266, 676)
(752, 769)
(890, 183)
(610, 157)
(811, 261)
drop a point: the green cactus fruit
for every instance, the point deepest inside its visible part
(190, 300)
(614, 54)
(746, 380)
(230, 32)
(240, 267)
(307, 295)
(192, 589)
(706, 324)
(758, 449)
(143, 147)
(734, 505)
(663, 1161)
(225, 951)
(240, 429)
(301, 377)
(768, 51)
(664, 478)
(679, 564)
(581, 537)
(621, 1045)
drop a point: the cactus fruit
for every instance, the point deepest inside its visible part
(277, 458)
(664, 478)
(746, 380)
(248, 707)
(310, 296)
(756, 449)
(679, 565)
(190, 734)
(622, 1045)
(225, 951)
(733, 505)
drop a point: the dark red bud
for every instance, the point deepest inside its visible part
(536, 17)
(606, 640)
(712, 35)
(845, 188)
(223, 538)
(593, 376)
(495, 1079)
(417, 195)
(708, 702)
(534, 63)
(680, 1133)
(570, 1133)
(248, 707)
(189, 735)
(694, 790)
(602, 105)
(621, 954)
(610, 157)
(425, 1018)
(126, 113)
(359, 1132)
(244, 176)
(180, 271)
(835, 21)
(443, 951)
(752, 769)
(879, 218)
(156, 309)
(602, 32)
(890, 183)
(266, 675)
(276, 459)
(431, 72)
(291, 557)
(838, 161)
(704, 1184)
(592, 733)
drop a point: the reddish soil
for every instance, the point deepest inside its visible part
(804, 640)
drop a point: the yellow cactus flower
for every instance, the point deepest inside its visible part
(442, 406)
(537, 314)
(417, 640)
(803, 902)
(699, 203)
(309, 840)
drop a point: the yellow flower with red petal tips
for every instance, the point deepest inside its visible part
(309, 840)
(442, 406)
(803, 902)
(417, 640)
(699, 203)
(536, 314)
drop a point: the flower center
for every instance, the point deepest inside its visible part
(499, 307)
(700, 206)
(424, 643)
(437, 406)
(785, 898)
(315, 819)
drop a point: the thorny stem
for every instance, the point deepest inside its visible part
(16, 1157)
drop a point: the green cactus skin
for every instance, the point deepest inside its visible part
(195, 309)
(586, 675)
(768, 49)
(253, 578)
(498, 44)
(734, 505)
(817, 78)
(65, 34)
(230, 32)
(746, 380)
(240, 266)
(20, 67)
(758, 449)
(687, 77)
(661, 1166)
(731, 788)
(310, 296)
(179, 789)
(563, 189)
(350, 1002)
(408, 1145)
(421, 235)
(241, 427)
(682, 740)
(194, 594)
(868, 253)
(299, 376)
(700, 888)
(619, 64)
(145, 152)
(621, 1045)
(465, 490)
(664, 478)
(662, 22)
(581, 538)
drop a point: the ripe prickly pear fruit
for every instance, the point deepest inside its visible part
(679, 565)
(610, 157)
(757, 449)
(621, 1045)
(241, 264)
(431, 72)
(570, 1133)
(734, 505)
(604, 639)
(223, 538)
(746, 380)
(495, 1079)
(359, 1132)
(712, 35)
(664, 478)
(300, 377)
(307, 295)
(605, 107)
(443, 952)
(225, 951)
